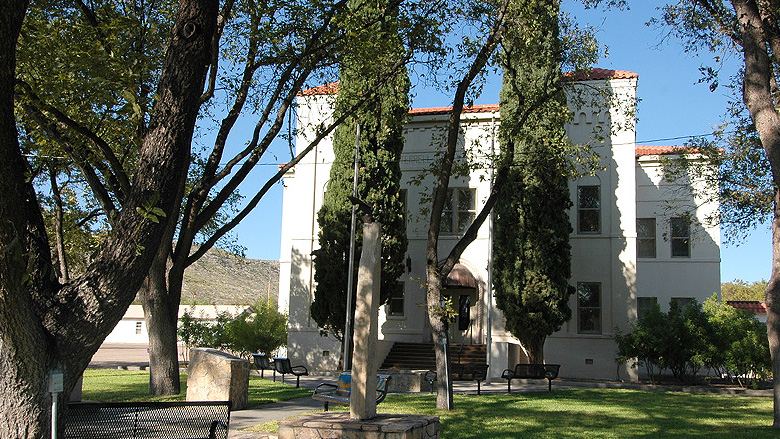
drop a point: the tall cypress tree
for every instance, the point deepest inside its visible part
(531, 251)
(376, 47)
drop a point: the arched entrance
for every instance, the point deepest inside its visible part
(462, 287)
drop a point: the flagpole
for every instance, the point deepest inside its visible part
(350, 274)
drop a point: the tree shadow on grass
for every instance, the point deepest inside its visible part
(112, 385)
(265, 391)
(597, 413)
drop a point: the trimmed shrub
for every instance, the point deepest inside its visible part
(745, 347)
(715, 336)
(261, 329)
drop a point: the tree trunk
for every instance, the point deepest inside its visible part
(44, 325)
(444, 399)
(757, 94)
(434, 272)
(161, 323)
(160, 298)
(773, 309)
(535, 348)
(24, 353)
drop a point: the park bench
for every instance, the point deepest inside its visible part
(470, 372)
(463, 372)
(531, 371)
(136, 420)
(284, 367)
(430, 376)
(263, 363)
(339, 393)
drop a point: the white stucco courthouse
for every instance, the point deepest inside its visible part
(637, 238)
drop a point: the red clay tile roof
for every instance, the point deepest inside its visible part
(753, 306)
(446, 110)
(599, 74)
(326, 89)
(656, 150)
(333, 88)
(590, 75)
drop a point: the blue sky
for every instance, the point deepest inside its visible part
(673, 107)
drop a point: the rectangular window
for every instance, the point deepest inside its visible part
(589, 307)
(138, 326)
(588, 209)
(395, 305)
(680, 235)
(683, 302)
(404, 194)
(643, 304)
(459, 212)
(645, 237)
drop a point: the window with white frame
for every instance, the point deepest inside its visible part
(645, 237)
(138, 326)
(589, 308)
(395, 304)
(459, 212)
(589, 209)
(680, 237)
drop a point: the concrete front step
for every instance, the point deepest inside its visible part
(421, 355)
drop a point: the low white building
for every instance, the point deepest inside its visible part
(637, 238)
(133, 329)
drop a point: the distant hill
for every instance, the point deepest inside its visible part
(223, 278)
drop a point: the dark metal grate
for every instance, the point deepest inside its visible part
(148, 420)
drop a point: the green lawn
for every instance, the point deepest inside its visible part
(572, 413)
(597, 413)
(112, 385)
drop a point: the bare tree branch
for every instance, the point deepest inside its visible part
(223, 18)
(94, 182)
(117, 171)
(287, 166)
(92, 19)
(445, 171)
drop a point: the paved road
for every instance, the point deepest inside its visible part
(121, 355)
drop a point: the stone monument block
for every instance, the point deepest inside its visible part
(214, 375)
(362, 400)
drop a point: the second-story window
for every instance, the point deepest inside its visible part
(404, 196)
(459, 212)
(588, 209)
(680, 235)
(645, 237)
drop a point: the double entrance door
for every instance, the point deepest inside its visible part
(464, 329)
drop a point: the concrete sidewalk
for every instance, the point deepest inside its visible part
(268, 412)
